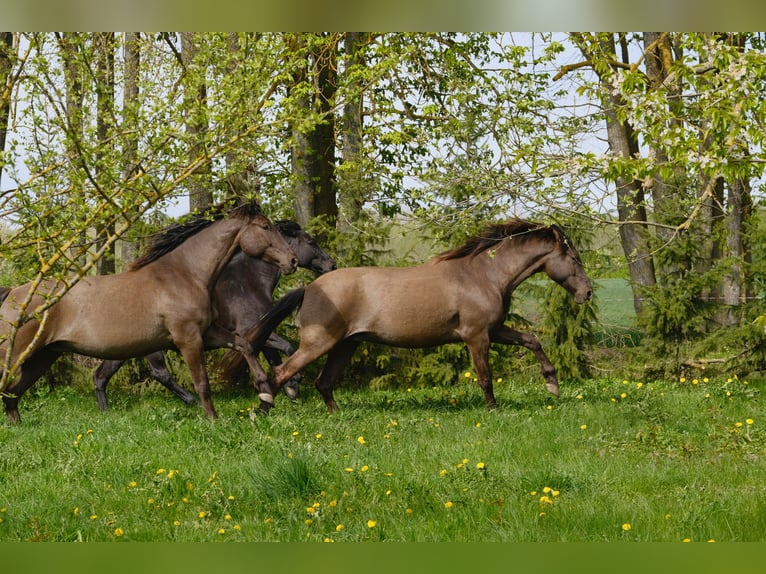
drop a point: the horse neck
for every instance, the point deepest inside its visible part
(511, 263)
(252, 271)
(209, 251)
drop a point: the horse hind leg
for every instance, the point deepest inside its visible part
(159, 369)
(101, 377)
(337, 360)
(33, 368)
(479, 350)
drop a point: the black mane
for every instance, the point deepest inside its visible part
(517, 228)
(165, 241)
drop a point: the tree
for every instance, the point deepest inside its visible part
(195, 106)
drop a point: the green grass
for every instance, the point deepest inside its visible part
(668, 459)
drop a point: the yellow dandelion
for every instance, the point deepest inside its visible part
(623, 395)
(372, 523)
(467, 375)
(231, 497)
(443, 472)
(176, 523)
(76, 511)
(409, 511)
(227, 517)
(132, 484)
(481, 466)
(348, 469)
(365, 468)
(545, 500)
(119, 532)
(547, 489)
(332, 503)
(682, 380)
(339, 527)
(738, 424)
(626, 526)
(308, 521)
(749, 421)
(318, 435)
(202, 514)
(583, 427)
(448, 504)
(478, 425)
(360, 440)
(161, 471)
(237, 527)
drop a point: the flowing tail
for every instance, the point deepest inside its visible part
(232, 364)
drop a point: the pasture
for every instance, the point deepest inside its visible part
(610, 460)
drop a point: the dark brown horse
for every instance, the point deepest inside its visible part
(461, 295)
(242, 295)
(163, 301)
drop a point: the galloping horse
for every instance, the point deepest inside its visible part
(461, 295)
(162, 301)
(242, 295)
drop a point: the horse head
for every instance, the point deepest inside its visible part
(260, 238)
(564, 267)
(310, 254)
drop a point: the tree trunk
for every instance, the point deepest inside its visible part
(104, 77)
(631, 210)
(200, 184)
(132, 58)
(70, 44)
(7, 58)
(351, 178)
(313, 151)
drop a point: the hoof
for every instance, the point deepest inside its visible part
(552, 388)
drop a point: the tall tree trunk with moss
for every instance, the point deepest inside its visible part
(71, 48)
(130, 104)
(104, 46)
(7, 59)
(200, 184)
(313, 143)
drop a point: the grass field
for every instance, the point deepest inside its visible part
(611, 460)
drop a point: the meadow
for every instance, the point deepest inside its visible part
(610, 460)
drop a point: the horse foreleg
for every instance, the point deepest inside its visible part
(33, 368)
(478, 347)
(271, 350)
(219, 337)
(101, 377)
(161, 373)
(508, 336)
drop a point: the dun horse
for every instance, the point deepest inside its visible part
(163, 301)
(242, 295)
(461, 295)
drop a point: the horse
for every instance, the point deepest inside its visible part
(162, 301)
(460, 295)
(244, 292)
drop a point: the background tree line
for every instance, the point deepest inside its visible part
(648, 146)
